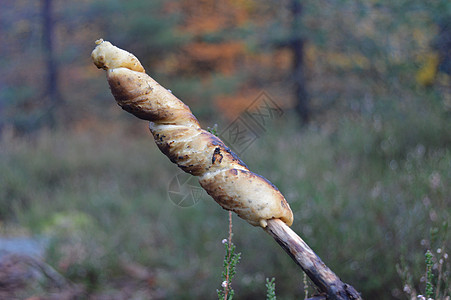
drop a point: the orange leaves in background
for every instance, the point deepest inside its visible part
(207, 21)
(233, 105)
(215, 46)
(208, 16)
(221, 57)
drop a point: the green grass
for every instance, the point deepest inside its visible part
(362, 197)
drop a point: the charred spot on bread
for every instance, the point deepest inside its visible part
(217, 156)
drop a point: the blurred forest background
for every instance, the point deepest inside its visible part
(362, 151)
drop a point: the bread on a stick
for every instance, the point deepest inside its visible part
(178, 135)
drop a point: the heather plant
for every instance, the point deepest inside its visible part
(231, 259)
(271, 289)
(429, 275)
(434, 282)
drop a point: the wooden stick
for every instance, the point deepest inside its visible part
(326, 280)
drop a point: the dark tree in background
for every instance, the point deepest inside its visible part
(284, 35)
(298, 77)
(442, 43)
(52, 93)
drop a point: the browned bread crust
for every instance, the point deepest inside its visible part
(178, 135)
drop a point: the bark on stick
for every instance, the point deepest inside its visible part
(326, 280)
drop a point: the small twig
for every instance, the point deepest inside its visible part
(305, 286)
(229, 245)
(439, 271)
(326, 280)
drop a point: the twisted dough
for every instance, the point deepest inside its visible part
(178, 135)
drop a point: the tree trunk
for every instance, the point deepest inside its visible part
(297, 46)
(52, 93)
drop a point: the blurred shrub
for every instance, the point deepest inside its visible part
(365, 192)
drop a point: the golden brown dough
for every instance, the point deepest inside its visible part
(178, 135)
(107, 56)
